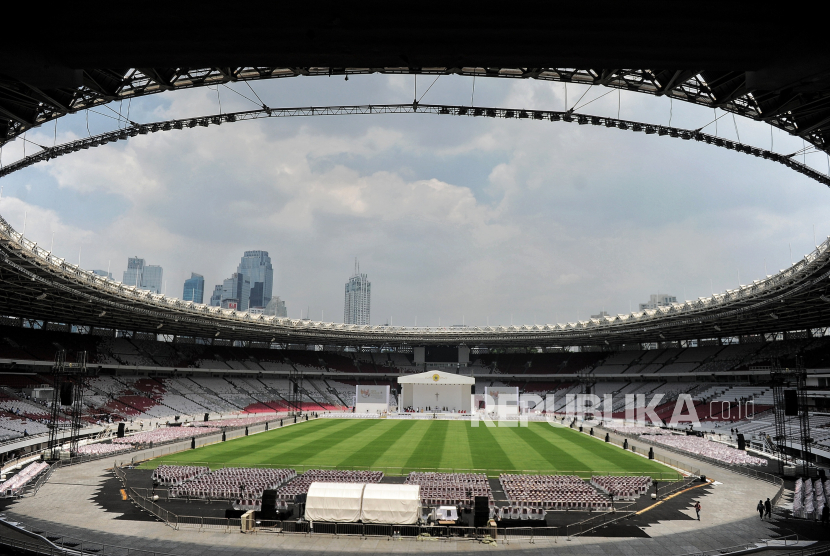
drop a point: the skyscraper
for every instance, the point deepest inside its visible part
(276, 307)
(237, 288)
(135, 268)
(143, 276)
(194, 288)
(256, 267)
(358, 298)
(216, 297)
(151, 278)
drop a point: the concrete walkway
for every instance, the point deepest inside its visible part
(65, 505)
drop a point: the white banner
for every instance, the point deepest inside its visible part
(372, 394)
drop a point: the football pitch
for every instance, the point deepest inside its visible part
(398, 447)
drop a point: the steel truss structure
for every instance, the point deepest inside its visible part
(48, 153)
(295, 391)
(75, 375)
(788, 379)
(804, 114)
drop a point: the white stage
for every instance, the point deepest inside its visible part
(436, 391)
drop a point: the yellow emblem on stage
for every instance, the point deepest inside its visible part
(435, 377)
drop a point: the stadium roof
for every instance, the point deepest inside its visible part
(740, 59)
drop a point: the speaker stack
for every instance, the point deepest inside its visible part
(121, 427)
(482, 511)
(741, 442)
(790, 402)
(66, 393)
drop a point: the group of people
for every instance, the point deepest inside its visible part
(765, 510)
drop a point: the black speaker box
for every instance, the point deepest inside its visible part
(482, 511)
(206, 416)
(269, 500)
(790, 402)
(121, 427)
(66, 394)
(741, 442)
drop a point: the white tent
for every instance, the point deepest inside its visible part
(390, 503)
(335, 502)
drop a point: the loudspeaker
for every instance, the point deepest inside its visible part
(66, 393)
(206, 416)
(299, 503)
(121, 427)
(741, 442)
(790, 402)
(269, 500)
(482, 511)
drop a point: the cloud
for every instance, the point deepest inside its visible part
(454, 218)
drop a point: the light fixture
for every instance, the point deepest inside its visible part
(825, 298)
(217, 334)
(661, 335)
(159, 326)
(717, 328)
(773, 316)
(102, 313)
(41, 297)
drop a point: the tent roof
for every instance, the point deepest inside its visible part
(387, 491)
(436, 377)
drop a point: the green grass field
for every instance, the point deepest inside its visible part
(398, 447)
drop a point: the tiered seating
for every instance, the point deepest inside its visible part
(707, 448)
(175, 475)
(637, 429)
(244, 486)
(451, 489)
(98, 449)
(622, 488)
(15, 484)
(553, 492)
(236, 422)
(164, 435)
(300, 485)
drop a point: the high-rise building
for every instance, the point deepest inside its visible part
(256, 267)
(103, 273)
(237, 288)
(135, 268)
(151, 279)
(216, 297)
(143, 276)
(276, 307)
(194, 288)
(358, 298)
(658, 300)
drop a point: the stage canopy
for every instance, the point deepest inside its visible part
(436, 390)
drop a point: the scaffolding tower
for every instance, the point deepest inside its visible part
(67, 377)
(784, 379)
(295, 391)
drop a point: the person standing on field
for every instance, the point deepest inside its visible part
(697, 510)
(760, 508)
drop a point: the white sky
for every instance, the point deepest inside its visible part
(452, 218)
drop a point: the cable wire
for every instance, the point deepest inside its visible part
(428, 88)
(256, 95)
